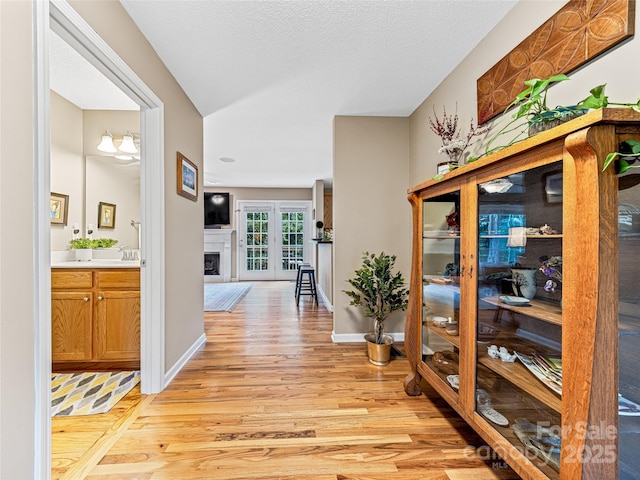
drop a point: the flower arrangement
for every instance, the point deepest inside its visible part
(454, 143)
(551, 266)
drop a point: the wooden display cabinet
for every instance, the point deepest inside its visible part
(95, 319)
(563, 423)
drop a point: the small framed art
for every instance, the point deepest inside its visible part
(58, 208)
(106, 215)
(187, 174)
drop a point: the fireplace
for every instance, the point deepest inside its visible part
(217, 255)
(212, 263)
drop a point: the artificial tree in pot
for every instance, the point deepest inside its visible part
(380, 292)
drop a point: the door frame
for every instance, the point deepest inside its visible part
(59, 16)
(275, 231)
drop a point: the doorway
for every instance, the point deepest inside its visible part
(273, 237)
(61, 18)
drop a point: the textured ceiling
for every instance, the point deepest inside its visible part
(269, 76)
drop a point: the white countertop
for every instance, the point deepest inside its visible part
(97, 263)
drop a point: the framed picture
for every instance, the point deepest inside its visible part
(58, 208)
(106, 215)
(553, 187)
(187, 178)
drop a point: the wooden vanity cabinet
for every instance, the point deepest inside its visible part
(461, 273)
(95, 315)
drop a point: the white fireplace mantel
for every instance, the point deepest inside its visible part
(219, 241)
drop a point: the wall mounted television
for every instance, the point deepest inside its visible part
(217, 209)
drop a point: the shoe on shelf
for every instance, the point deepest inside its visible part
(483, 405)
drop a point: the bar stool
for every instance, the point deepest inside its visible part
(300, 265)
(308, 286)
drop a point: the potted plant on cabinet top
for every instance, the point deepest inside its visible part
(380, 292)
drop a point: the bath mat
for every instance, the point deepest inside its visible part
(222, 297)
(89, 393)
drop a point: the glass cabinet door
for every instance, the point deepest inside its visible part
(441, 286)
(519, 311)
(629, 327)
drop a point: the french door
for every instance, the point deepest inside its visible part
(272, 238)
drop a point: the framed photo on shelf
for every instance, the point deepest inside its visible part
(59, 208)
(187, 174)
(106, 215)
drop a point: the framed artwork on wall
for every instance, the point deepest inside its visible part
(106, 215)
(58, 208)
(187, 173)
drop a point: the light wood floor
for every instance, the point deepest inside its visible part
(270, 396)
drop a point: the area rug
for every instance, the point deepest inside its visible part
(222, 297)
(89, 393)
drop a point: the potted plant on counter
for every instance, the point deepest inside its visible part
(83, 248)
(380, 292)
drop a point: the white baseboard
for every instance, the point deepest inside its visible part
(324, 298)
(184, 359)
(359, 337)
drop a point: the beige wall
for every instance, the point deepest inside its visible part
(106, 181)
(67, 165)
(184, 240)
(80, 170)
(460, 86)
(17, 317)
(370, 207)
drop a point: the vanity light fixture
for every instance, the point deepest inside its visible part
(106, 144)
(127, 146)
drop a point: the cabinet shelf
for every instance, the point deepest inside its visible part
(518, 374)
(536, 309)
(555, 235)
(515, 372)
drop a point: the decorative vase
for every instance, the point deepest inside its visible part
(524, 282)
(379, 354)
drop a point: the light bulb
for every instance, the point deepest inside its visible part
(127, 144)
(106, 144)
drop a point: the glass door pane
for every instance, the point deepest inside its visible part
(629, 330)
(257, 241)
(441, 286)
(519, 311)
(293, 239)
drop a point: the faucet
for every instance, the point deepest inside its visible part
(127, 254)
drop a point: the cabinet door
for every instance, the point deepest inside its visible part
(441, 273)
(117, 326)
(71, 324)
(628, 328)
(519, 311)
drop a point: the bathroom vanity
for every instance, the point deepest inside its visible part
(95, 315)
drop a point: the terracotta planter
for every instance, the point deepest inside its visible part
(379, 354)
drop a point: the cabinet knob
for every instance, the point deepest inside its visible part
(100, 297)
(86, 299)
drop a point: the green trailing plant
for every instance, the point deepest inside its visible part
(625, 158)
(598, 99)
(104, 243)
(531, 104)
(78, 243)
(378, 290)
(532, 108)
